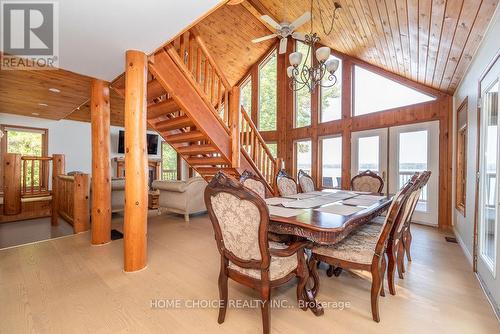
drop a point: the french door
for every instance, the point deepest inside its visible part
(396, 153)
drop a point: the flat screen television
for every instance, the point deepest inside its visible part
(151, 142)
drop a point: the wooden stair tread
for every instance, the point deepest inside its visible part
(186, 137)
(175, 123)
(206, 161)
(155, 90)
(196, 149)
(163, 108)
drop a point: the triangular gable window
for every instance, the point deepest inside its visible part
(373, 92)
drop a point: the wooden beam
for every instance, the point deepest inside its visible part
(12, 184)
(58, 168)
(136, 162)
(101, 184)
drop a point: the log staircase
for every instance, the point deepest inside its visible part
(194, 108)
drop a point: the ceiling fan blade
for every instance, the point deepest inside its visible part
(265, 38)
(269, 20)
(301, 36)
(306, 17)
(283, 44)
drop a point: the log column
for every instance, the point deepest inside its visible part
(58, 168)
(101, 184)
(12, 184)
(136, 162)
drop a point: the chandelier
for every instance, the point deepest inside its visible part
(314, 74)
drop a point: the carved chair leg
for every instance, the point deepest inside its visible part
(408, 238)
(223, 291)
(391, 268)
(384, 269)
(376, 286)
(401, 260)
(265, 297)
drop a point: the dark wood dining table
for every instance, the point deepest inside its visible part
(325, 228)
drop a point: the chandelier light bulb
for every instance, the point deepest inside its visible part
(332, 65)
(323, 53)
(295, 58)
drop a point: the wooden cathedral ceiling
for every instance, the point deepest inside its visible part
(428, 41)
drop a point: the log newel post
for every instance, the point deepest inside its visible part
(58, 168)
(234, 123)
(101, 184)
(81, 213)
(136, 162)
(12, 184)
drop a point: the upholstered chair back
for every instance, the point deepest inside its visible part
(286, 185)
(253, 182)
(306, 182)
(240, 219)
(367, 181)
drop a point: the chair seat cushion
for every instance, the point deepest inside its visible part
(358, 247)
(279, 267)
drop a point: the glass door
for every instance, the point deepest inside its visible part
(369, 152)
(488, 181)
(412, 149)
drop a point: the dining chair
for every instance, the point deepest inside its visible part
(240, 219)
(306, 182)
(253, 182)
(367, 181)
(286, 184)
(364, 249)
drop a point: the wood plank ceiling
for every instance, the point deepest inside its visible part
(428, 41)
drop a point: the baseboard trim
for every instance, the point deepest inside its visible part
(468, 255)
(489, 297)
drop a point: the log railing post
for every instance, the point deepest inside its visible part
(58, 168)
(278, 165)
(136, 162)
(101, 183)
(11, 184)
(234, 126)
(81, 214)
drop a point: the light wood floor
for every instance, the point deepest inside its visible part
(66, 286)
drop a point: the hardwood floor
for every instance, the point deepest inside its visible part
(67, 286)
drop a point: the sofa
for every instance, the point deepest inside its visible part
(117, 194)
(183, 197)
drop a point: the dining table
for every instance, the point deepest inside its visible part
(323, 217)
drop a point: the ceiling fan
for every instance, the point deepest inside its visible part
(284, 30)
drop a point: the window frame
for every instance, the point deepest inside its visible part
(461, 159)
(320, 155)
(263, 63)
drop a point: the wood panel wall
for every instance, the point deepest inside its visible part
(285, 135)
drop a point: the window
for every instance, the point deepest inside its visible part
(168, 162)
(273, 147)
(331, 97)
(303, 96)
(246, 95)
(373, 92)
(27, 142)
(331, 162)
(368, 154)
(303, 156)
(461, 162)
(268, 93)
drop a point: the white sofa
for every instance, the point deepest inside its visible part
(183, 197)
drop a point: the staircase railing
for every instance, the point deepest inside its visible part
(35, 176)
(205, 72)
(255, 148)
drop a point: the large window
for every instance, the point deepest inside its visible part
(303, 156)
(268, 93)
(373, 92)
(461, 153)
(331, 97)
(303, 96)
(168, 162)
(246, 95)
(331, 162)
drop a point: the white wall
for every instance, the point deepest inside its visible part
(464, 226)
(71, 138)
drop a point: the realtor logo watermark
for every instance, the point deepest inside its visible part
(30, 35)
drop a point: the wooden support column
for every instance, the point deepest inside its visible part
(81, 216)
(101, 184)
(11, 184)
(234, 121)
(136, 162)
(58, 168)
